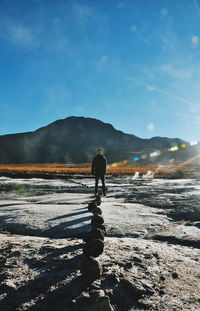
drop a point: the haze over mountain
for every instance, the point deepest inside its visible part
(76, 139)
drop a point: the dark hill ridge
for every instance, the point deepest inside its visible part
(75, 140)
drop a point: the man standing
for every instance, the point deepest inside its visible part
(99, 164)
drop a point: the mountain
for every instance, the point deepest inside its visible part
(76, 139)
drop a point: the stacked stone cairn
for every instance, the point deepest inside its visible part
(94, 242)
(91, 269)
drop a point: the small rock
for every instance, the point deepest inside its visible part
(92, 205)
(128, 265)
(162, 278)
(98, 200)
(155, 255)
(161, 292)
(91, 268)
(93, 248)
(96, 302)
(99, 226)
(96, 211)
(137, 259)
(97, 219)
(95, 233)
(148, 256)
(175, 275)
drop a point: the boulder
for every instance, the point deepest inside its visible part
(93, 248)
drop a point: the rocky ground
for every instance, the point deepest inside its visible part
(151, 252)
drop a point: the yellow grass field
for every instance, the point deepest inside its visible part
(85, 168)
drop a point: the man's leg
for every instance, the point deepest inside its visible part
(96, 183)
(103, 184)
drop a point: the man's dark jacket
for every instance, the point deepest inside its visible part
(99, 164)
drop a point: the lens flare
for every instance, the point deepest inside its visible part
(195, 40)
(193, 143)
(155, 154)
(133, 28)
(164, 12)
(174, 148)
(150, 127)
(144, 156)
(150, 88)
(115, 164)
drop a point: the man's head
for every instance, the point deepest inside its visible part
(100, 151)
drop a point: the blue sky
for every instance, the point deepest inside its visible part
(132, 63)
